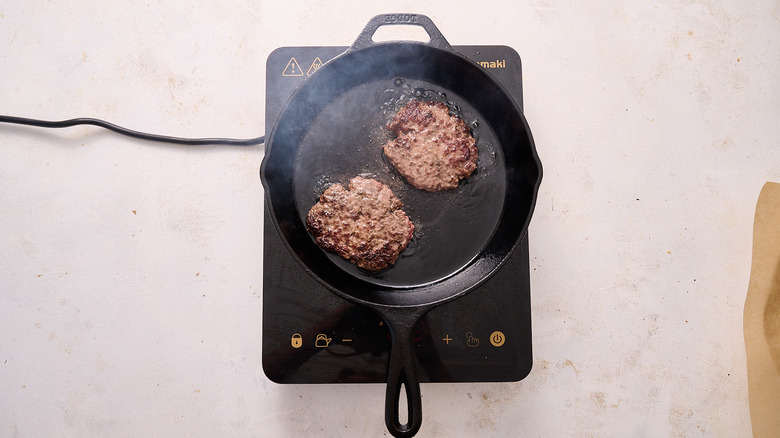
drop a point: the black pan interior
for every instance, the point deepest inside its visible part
(346, 139)
(333, 129)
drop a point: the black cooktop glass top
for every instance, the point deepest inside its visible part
(310, 335)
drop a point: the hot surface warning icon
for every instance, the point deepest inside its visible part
(292, 68)
(314, 66)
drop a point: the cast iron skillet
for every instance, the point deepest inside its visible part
(332, 129)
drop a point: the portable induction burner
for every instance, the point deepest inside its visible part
(311, 335)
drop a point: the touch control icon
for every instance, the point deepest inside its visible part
(497, 338)
(296, 340)
(322, 341)
(471, 341)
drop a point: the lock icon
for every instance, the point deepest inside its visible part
(296, 341)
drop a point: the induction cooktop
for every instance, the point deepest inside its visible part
(311, 335)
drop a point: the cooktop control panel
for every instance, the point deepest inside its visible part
(311, 335)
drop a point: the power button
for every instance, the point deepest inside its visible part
(497, 338)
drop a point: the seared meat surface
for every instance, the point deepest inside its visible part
(432, 150)
(363, 223)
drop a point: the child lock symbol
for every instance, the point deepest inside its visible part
(296, 341)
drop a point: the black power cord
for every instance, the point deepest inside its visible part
(130, 132)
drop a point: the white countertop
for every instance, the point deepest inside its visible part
(130, 272)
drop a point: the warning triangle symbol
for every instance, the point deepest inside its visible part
(314, 66)
(292, 69)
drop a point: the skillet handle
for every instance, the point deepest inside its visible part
(402, 372)
(365, 38)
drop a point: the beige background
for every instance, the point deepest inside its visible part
(130, 272)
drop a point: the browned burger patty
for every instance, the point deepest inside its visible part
(363, 223)
(432, 149)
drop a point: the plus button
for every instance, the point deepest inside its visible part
(447, 339)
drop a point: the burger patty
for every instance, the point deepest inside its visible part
(432, 150)
(363, 223)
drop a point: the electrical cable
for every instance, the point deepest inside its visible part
(130, 132)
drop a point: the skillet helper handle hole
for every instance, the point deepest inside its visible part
(402, 374)
(366, 37)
